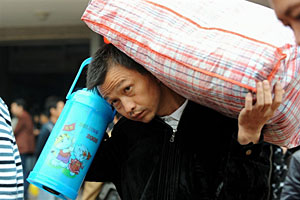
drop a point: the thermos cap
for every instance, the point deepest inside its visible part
(92, 99)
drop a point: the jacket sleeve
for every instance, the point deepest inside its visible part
(291, 189)
(249, 171)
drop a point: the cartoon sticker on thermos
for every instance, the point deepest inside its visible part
(66, 155)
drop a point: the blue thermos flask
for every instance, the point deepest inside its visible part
(73, 142)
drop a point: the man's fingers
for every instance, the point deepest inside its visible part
(278, 96)
(267, 95)
(248, 102)
(260, 99)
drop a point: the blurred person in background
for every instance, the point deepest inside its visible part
(291, 188)
(53, 107)
(42, 118)
(11, 174)
(24, 137)
(14, 121)
(288, 11)
(36, 123)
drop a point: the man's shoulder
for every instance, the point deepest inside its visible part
(26, 116)
(124, 124)
(129, 127)
(204, 111)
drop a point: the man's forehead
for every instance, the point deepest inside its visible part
(103, 95)
(107, 88)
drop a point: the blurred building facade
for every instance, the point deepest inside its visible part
(37, 61)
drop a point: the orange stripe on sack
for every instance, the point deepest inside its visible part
(283, 56)
(181, 63)
(206, 28)
(277, 65)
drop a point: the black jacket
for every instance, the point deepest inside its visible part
(205, 161)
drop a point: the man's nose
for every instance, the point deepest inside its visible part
(128, 105)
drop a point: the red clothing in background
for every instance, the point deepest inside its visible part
(24, 134)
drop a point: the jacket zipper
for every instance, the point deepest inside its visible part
(170, 169)
(172, 138)
(270, 172)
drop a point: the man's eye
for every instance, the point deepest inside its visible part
(113, 102)
(127, 89)
(116, 104)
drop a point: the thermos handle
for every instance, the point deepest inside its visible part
(84, 63)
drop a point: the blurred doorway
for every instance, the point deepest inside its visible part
(34, 70)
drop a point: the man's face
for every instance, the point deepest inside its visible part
(288, 11)
(15, 109)
(43, 119)
(59, 107)
(136, 96)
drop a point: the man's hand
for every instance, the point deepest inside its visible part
(252, 118)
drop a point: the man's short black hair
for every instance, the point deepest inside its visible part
(51, 102)
(20, 102)
(103, 59)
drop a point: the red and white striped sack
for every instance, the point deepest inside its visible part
(210, 51)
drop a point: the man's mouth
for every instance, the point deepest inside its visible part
(138, 115)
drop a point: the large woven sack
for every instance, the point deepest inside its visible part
(210, 51)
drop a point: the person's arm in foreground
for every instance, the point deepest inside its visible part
(248, 169)
(11, 182)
